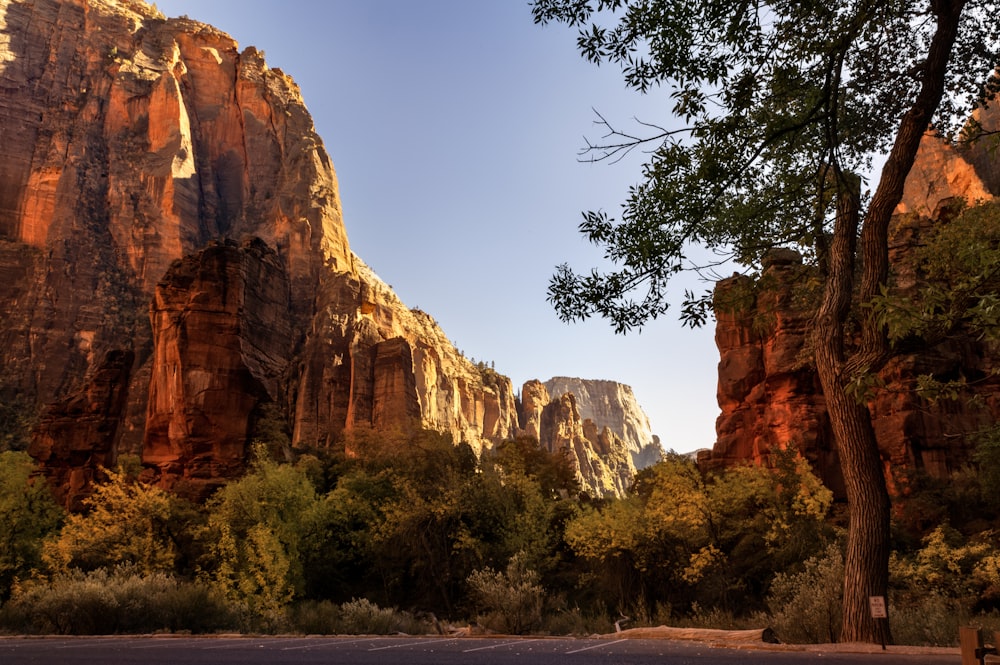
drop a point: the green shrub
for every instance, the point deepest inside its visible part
(575, 622)
(806, 606)
(363, 617)
(719, 619)
(988, 621)
(356, 617)
(951, 565)
(934, 620)
(256, 527)
(509, 602)
(119, 601)
(936, 587)
(930, 620)
(195, 607)
(126, 523)
(17, 418)
(28, 513)
(314, 617)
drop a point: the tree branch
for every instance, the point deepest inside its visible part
(616, 151)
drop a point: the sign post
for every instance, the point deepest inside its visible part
(879, 611)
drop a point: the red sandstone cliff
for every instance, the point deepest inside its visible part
(175, 276)
(768, 392)
(174, 259)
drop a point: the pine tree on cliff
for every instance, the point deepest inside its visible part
(779, 108)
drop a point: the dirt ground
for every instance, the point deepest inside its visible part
(762, 638)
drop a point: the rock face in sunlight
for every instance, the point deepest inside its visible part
(614, 406)
(474, 404)
(175, 275)
(562, 421)
(768, 392)
(942, 171)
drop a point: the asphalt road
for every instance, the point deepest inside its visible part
(420, 651)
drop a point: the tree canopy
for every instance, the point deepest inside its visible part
(773, 104)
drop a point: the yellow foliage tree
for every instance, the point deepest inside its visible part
(126, 523)
(680, 537)
(256, 527)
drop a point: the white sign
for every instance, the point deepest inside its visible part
(877, 605)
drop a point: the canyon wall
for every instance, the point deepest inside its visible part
(614, 406)
(175, 258)
(768, 392)
(602, 458)
(175, 276)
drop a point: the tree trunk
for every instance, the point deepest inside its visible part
(866, 564)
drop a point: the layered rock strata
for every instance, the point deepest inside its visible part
(175, 276)
(614, 406)
(149, 160)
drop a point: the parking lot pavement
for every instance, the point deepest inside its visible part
(244, 650)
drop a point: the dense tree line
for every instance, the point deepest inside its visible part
(410, 532)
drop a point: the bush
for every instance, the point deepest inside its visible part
(931, 620)
(126, 523)
(314, 617)
(509, 602)
(937, 587)
(950, 564)
(28, 513)
(120, 601)
(356, 617)
(363, 617)
(934, 620)
(575, 622)
(806, 606)
(719, 619)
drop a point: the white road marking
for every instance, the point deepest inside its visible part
(237, 644)
(160, 643)
(502, 644)
(596, 646)
(328, 642)
(413, 643)
(75, 644)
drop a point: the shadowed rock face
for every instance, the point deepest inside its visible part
(77, 434)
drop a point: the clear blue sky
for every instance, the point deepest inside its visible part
(454, 127)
